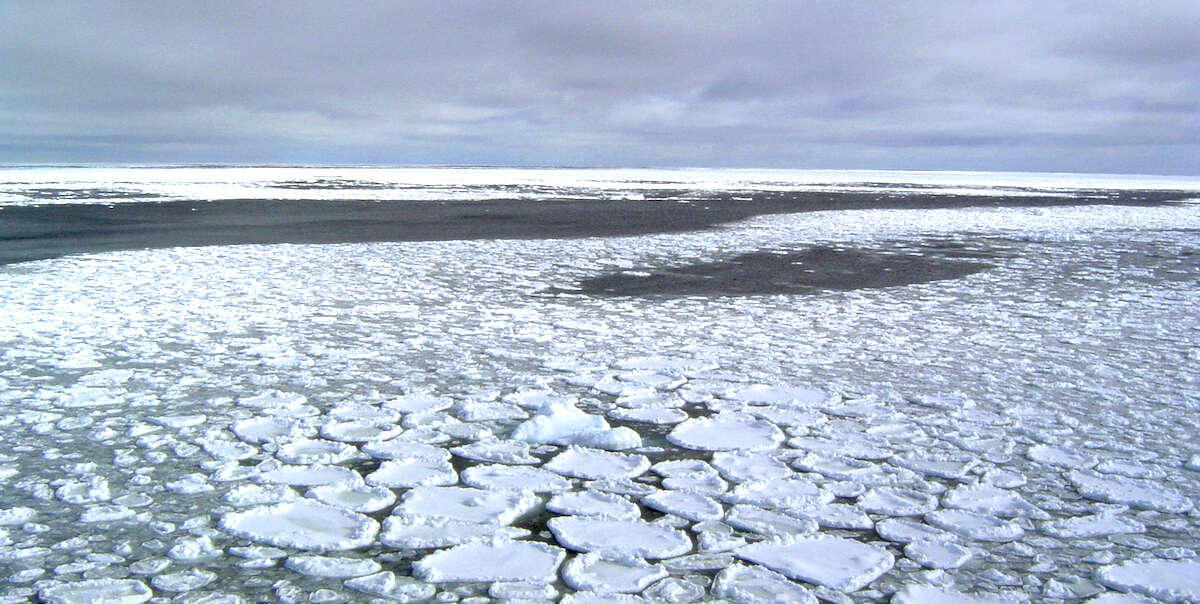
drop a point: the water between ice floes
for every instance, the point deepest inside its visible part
(334, 423)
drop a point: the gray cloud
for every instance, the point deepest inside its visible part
(1089, 86)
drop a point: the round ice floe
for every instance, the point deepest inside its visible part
(592, 464)
(687, 505)
(509, 452)
(310, 476)
(534, 399)
(838, 467)
(227, 450)
(404, 449)
(953, 466)
(1168, 580)
(562, 423)
(389, 587)
(766, 522)
(303, 524)
(622, 538)
(353, 497)
(937, 554)
(757, 585)
(917, 593)
(106, 513)
(1130, 469)
(407, 473)
(360, 412)
(355, 431)
(183, 581)
(788, 416)
(979, 527)
(269, 429)
(726, 432)
(745, 467)
(839, 516)
(466, 504)
(273, 398)
(894, 501)
(666, 365)
(1059, 456)
(308, 451)
(594, 572)
(842, 445)
(762, 394)
(1095, 525)
(335, 568)
(414, 532)
(418, 403)
(785, 493)
(834, 562)
(492, 561)
(498, 476)
(987, 499)
(259, 494)
(17, 515)
(649, 415)
(898, 530)
(1141, 494)
(472, 411)
(109, 591)
(594, 503)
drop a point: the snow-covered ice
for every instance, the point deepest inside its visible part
(834, 562)
(500, 561)
(619, 537)
(306, 525)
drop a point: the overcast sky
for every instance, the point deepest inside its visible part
(1046, 86)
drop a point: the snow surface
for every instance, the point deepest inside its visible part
(193, 422)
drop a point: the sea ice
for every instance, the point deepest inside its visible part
(726, 432)
(1095, 525)
(407, 473)
(1168, 580)
(492, 561)
(404, 449)
(594, 503)
(418, 403)
(1059, 456)
(414, 532)
(743, 466)
(766, 522)
(763, 394)
(687, 505)
(310, 476)
(649, 415)
(619, 537)
(359, 431)
(595, 572)
(270, 429)
(980, 527)
(792, 494)
(937, 554)
(509, 452)
(918, 593)
(314, 451)
(834, 562)
(1142, 494)
(498, 476)
(108, 591)
(466, 504)
(560, 422)
(303, 524)
(757, 585)
(900, 530)
(895, 501)
(354, 497)
(592, 464)
(337, 568)
(987, 499)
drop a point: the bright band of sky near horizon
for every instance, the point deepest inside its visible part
(1032, 86)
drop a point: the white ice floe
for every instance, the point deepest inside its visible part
(792, 494)
(843, 445)
(684, 504)
(787, 396)
(183, 581)
(415, 532)
(741, 466)
(497, 451)
(649, 415)
(270, 429)
(1168, 580)
(594, 503)
(757, 585)
(408, 473)
(359, 431)
(980, 527)
(492, 561)
(839, 468)
(466, 504)
(633, 538)
(954, 466)
(839, 516)
(259, 494)
(895, 501)
(1142, 494)
(307, 451)
(303, 524)
(767, 522)
(917, 593)
(499, 476)
(109, 591)
(404, 449)
(900, 530)
(593, 464)
(1091, 526)
(987, 499)
(419, 403)
(326, 566)
(1059, 456)
(560, 422)
(937, 554)
(310, 476)
(595, 572)
(354, 497)
(726, 432)
(389, 587)
(834, 562)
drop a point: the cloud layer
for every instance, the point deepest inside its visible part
(1087, 86)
